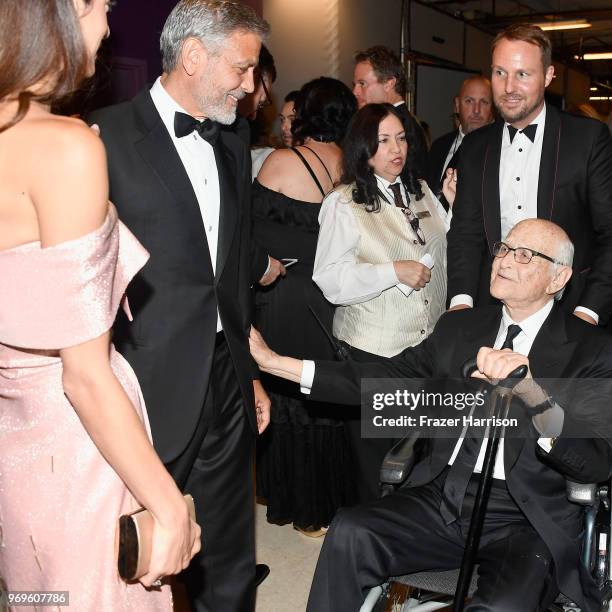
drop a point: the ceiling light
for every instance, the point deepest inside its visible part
(606, 55)
(600, 98)
(593, 88)
(574, 24)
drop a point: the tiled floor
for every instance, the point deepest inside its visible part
(292, 558)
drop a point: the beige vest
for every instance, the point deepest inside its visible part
(391, 322)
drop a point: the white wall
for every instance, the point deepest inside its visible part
(312, 38)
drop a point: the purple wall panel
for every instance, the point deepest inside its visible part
(130, 58)
(135, 28)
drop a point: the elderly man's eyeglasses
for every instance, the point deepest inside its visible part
(522, 255)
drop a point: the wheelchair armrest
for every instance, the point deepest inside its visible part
(399, 461)
(583, 494)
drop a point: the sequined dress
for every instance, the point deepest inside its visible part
(59, 499)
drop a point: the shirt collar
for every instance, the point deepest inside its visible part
(384, 183)
(166, 105)
(532, 324)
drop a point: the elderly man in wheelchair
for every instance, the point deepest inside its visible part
(530, 543)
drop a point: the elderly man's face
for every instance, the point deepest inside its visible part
(474, 105)
(525, 286)
(228, 76)
(519, 80)
(367, 89)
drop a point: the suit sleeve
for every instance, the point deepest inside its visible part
(259, 260)
(466, 237)
(597, 294)
(434, 163)
(583, 450)
(420, 162)
(247, 249)
(340, 382)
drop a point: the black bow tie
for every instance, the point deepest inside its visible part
(529, 131)
(185, 124)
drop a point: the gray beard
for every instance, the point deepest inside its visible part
(221, 115)
(216, 111)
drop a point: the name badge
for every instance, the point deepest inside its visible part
(422, 214)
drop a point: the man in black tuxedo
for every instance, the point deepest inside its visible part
(181, 183)
(379, 77)
(473, 108)
(530, 548)
(534, 162)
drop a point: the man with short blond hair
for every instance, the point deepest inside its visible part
(535, 161)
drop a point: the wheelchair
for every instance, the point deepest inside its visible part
(434, 590)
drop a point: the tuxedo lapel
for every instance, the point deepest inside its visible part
(548, 358)
(551, 352)
(481, 333)
(549, 160)
(490, 186)
(158, 151)
(228, 215)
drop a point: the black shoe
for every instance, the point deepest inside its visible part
(261, 573)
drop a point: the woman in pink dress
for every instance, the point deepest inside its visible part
(75, 449)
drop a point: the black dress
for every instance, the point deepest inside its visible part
(303, 458)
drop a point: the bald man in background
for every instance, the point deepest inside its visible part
(474, 108)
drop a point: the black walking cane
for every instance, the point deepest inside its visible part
(501, 397)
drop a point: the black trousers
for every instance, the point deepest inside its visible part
(217, 469)
(368, 453)
(405, 533)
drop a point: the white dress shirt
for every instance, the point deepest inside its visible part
(198, 159)
(519, 174)
(522, 344)
(340, 277)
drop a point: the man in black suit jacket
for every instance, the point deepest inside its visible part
(181, 183)
(530, 548)
(473, 108)
(534, 162)
(379, 77)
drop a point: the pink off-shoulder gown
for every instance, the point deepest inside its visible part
(59, 499)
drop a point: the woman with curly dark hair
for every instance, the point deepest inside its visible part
(381, 256)
(302, 458)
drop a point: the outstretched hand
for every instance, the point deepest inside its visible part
(449, 186)
(261, 352)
